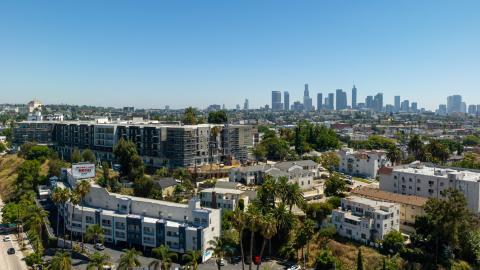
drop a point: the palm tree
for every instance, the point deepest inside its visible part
(164, 256)
(129, 259)
(394, 154)
(285, 219)
(94, 232)
(192, 257)
(61, 261)
(57, 200)
(268, 229)
(294, 196)
(239, 222)
(35, 222)
(253, 218)
(74, 200)
(82, 190)
(98, 261)
(219, 247)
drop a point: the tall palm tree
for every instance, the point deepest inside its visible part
(65, 196)
(294, 196)
(239, 222)
(282, 188)
(253, 218)
(61, 261)
(219, 247)
(35, 222)
(82, 190)
(98, 260)
(268, 229)
(94, 232)
(285, 219)
(394, 154)
(74, 200)
(129, 259)
(57, 200)
(192, 257)
(164, 256)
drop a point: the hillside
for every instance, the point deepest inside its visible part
(8, 168)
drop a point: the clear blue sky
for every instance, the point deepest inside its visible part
(181, 53)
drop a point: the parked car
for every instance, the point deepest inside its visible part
(295, 267)
(223, 262)
(7, 238)
(99, 246)
(11, 251)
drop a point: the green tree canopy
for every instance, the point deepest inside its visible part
(217, 117)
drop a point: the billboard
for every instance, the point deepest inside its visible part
(84, 170)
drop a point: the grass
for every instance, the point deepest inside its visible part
(8, 174)
(362, 180)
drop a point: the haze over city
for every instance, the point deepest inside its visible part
(112, 53)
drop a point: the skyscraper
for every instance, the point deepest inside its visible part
(319, 102)
(378, 102)
(331, 101)
(472, 109)
(369, 102)
(405, 106)
(341, 97)
(397, 103)
(414, 107)
(286, 100)
(277, 101)
(354, 97)
(454, 104)
(307, 101)
(245, 104)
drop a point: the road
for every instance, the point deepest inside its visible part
(13, 261)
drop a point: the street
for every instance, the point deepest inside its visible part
(10, 261)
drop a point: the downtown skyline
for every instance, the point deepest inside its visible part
(196, 54)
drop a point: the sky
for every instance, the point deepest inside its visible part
(149, 54)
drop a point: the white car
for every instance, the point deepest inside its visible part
(294, 267)
(7, 238)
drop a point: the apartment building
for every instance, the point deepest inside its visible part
(427, 181)
(365, 220)
(145, 223)
(302, 172)
(410, 206)
(158, 144)
(223, 198)
(362, 163)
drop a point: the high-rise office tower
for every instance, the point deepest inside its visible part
(277, 104)
(341, 98)
(331, 101)
(369, 102)
(454, 104)
(307, 101)
(354, 97)
(405, 106)
(397, 103)
(463, 107)
(286, 100)
(472, 109)
(378, 102)
(442, 109)
(414, 107)
(319, 101)
(245, 104)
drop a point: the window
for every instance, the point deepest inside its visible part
(89, 219)
(106, 222)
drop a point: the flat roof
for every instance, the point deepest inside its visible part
(368, 202)
(467, 175)
(382, 195)
(222, 190)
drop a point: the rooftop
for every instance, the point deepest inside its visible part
(378, 194)
(440, 172)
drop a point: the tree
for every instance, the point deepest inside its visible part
(393, 242)
(131, 165)
(471, 140)
(218, 117)
(192, 257)
(59, 197)
(438, 151)
(294, 196)
(253, 217)
(335, 185)
(82, 190)
(394, 154)
(164, 256)
(162, 172)
(239, 223)
(143, 187)
(304, 234)
(415, 146)
(3, 147)
(74, 200)
(95, 232)
(89, 156)
(28, 176)
(76, 156)
(329, 161)
(37, 218)
(98, 261)
(54, 167)
(318, 211)
(38, 152)
(61, 261)
(268, 229)
(189, 116)
(219, 247)
(129, 259)
(359, 259)
(325, 260)
(106, 171)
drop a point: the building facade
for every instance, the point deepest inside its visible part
(362, 163)
(365, 220)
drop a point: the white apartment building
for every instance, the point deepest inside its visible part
(428, 181)
(362, 163)
(366, 220)
(143, 222)
(223, 198)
